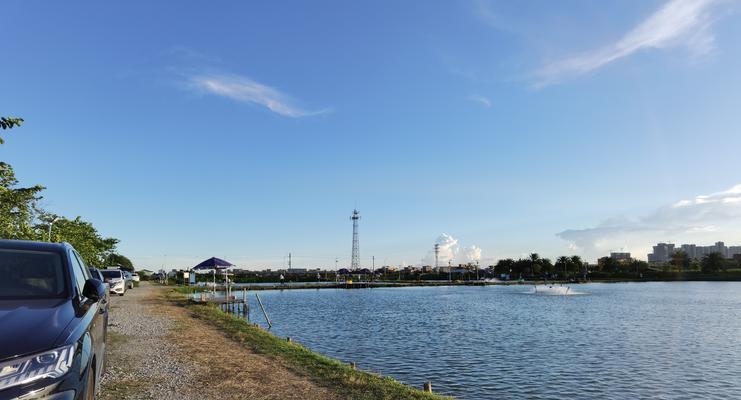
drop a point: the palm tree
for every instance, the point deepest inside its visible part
(534, 260)
(578, 265)
(563, 262)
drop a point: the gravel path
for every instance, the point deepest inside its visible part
(141, 361)
(157, 350)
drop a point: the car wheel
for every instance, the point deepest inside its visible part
(120, 294)
(90, 385)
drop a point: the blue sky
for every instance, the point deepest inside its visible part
(247, 131)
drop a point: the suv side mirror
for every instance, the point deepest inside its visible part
(94, 289)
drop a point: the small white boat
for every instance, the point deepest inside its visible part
(551, 290)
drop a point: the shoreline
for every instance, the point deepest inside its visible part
(405, 284)
(346, 380)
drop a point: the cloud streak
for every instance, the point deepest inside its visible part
(246, 90)
(484, 101)
(684, 23)
(703, 219)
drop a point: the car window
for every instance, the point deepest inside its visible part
(95, 273)
(83, 267)
(77, 273)
(111, 273)
(31, 274)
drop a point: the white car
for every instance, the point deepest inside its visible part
(135, 276)
(114, 277)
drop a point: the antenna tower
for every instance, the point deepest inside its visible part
(355, 263)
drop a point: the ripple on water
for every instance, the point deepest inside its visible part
(649, 340)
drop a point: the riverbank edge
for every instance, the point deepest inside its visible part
(402, 284)
(328, 372)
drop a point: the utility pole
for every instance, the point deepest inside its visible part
(50, 224)
(450, 271)
(289, 262)
(477, 269)
(373, 270)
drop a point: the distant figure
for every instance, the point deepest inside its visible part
(281, 279)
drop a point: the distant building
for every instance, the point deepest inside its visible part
(662, 253)
(733, 251)
(620, 256)
(721, 248)
(690, 250)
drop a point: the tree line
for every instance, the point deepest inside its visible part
(22, 217)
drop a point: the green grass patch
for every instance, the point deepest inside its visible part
(348, 382)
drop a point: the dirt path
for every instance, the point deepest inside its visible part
(158, 351)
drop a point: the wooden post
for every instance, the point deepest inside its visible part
(352, 365)
(427, 387)
(270, 325)
(288, 339)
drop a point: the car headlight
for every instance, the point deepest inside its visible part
(49, 364)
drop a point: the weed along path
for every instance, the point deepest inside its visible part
(158, 350)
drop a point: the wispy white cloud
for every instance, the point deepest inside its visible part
(243, 89)
(678, 23)
(484, 101)
(701, 220)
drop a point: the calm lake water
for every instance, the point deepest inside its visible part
(616, 341)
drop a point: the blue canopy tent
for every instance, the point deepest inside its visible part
(213, 264)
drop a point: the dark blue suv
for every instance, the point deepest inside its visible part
(53, 323)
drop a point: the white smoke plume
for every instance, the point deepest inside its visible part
(471, 254)
(451, 250)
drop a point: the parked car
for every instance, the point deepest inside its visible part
(54, 323)
(115, 278)
(129, 279)
(135, 276)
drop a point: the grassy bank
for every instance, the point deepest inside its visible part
(348, 382)
(356, 285)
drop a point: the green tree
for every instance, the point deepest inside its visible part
(17, 206)
(82, 235)
(546, 266)
(119, 260)
(9, 122)
(563, 265)
(638, 266)
(504, 266)
(576, 264)
(680, 261)
(712, 262)
(607, 264)
(534, 260)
